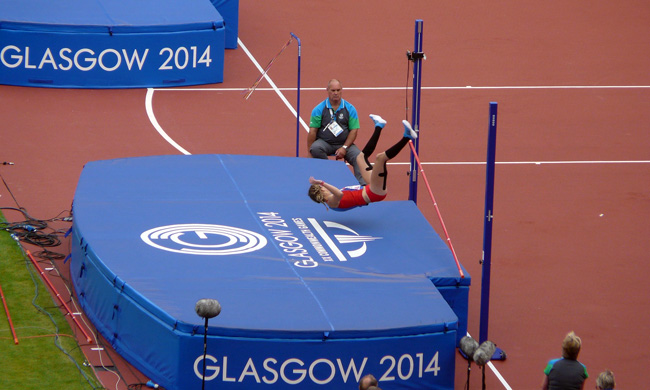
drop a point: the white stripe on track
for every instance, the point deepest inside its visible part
(152, 118)
(497, 373)
(156, 125)
(499, 376)
(528, 162)
(467, 87)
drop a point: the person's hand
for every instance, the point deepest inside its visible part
(340, 153)
(314, 181)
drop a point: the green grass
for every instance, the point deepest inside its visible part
(47, 355)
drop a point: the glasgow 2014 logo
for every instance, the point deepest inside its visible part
(204, 239)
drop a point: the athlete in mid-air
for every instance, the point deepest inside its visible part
(376, 177)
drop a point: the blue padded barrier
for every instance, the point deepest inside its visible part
(113, 43)
(229, 9)
(309, 297)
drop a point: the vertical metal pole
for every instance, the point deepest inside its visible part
(487, 224)
(205, 351)
(415, 116)
(11, 323)
(298, 102)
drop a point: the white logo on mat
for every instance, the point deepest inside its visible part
(204, 239)
(354, 238)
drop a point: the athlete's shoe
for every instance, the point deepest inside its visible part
(379, 121)
(408, 130)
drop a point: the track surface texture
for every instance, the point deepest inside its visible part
(572, 191)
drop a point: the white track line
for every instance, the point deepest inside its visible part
(497, 373)
(467, 87)
(156, 125)
(277, 90)
(528, 162)
(499, 376)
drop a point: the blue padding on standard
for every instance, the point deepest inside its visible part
(122, 16)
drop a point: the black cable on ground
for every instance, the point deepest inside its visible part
(37, 232)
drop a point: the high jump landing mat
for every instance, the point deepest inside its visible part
(115, 43)
(311, 298)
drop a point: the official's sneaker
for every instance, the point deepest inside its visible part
(408, 130)
(379, 121)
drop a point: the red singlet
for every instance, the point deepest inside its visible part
(354, 198)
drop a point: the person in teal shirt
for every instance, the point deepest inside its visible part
(333, 128)
(566, 373)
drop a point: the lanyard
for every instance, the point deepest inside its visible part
(332, 116)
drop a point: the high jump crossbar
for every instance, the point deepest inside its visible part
(435, 204)
(417, 56)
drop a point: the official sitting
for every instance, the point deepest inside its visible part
(333, 127)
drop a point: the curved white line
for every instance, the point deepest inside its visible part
(526, 162)
(156, 125)
(152, 118)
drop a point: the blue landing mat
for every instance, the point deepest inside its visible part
(309, 296)
(114, 43)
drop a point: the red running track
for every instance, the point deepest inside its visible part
(572, 199)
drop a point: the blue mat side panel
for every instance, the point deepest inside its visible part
(229, 9)
(117, 60)
(173, 358)
(124, 324)
(457, 297)
(414, 362)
